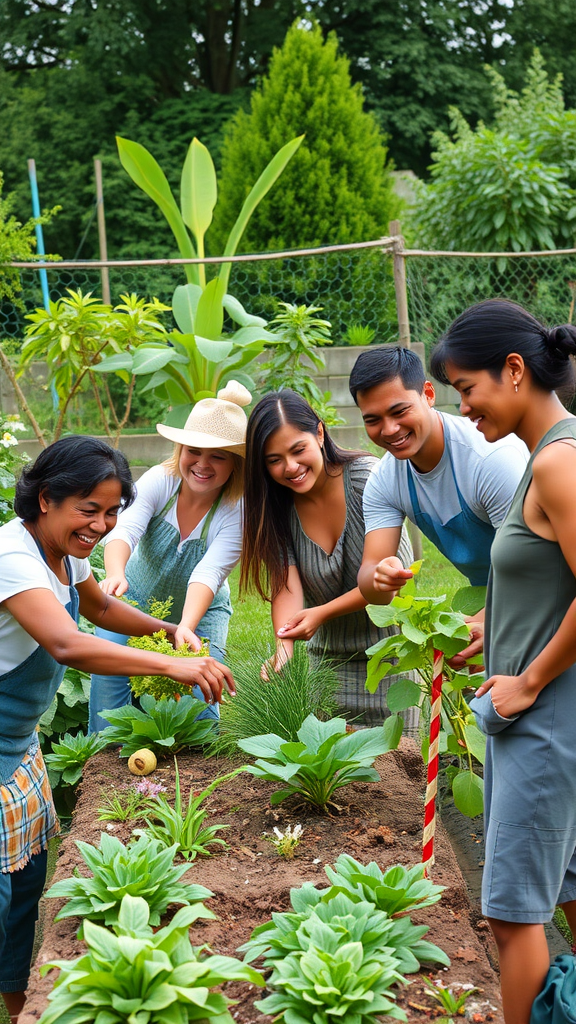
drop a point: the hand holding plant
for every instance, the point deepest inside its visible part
(161, 687)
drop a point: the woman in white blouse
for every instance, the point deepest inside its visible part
(182, 536)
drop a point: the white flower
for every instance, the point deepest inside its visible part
(8, 440)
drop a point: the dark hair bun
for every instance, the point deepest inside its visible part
(561, 341)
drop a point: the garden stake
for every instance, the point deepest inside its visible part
(432, 778)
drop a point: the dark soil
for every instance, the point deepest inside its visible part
(378, 821)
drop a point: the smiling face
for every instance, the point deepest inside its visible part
(76, 524)
(396, 419)
(205, 471)
(293, 458)
(489, 401)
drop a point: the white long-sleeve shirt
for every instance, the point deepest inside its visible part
(223, 543)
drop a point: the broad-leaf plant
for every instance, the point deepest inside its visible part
(426, 624)
(164, 726)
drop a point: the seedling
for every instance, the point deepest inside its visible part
(286, 842)
(448, 1000)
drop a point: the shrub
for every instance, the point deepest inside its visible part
(160, 687)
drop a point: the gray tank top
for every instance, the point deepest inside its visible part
(531, 585)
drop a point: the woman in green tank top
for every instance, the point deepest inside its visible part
(508, 369)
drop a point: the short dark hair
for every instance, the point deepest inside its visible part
(484, 335)
(73, 465)
(380, 365)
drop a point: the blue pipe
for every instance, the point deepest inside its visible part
(36, 212)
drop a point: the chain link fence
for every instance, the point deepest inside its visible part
(440, 287)
(354, 286)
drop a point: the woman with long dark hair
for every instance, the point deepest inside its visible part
(303, 541)
(66, 502)
(508, 369)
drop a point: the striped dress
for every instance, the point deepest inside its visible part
(325, 577)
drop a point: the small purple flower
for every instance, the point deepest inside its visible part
(149, 789)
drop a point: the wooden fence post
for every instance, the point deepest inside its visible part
(400, 284)
(102, 231)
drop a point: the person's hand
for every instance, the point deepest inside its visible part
(115, 585)
(390, 574)
(184, 635)
(276, 663)
(301, 626)
(476, 646)
(210, 675)
(510, 694)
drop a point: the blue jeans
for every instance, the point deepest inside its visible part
(20, 892)
(108, 692)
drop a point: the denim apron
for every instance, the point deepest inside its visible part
(25, 693)
(160, 570)
(465, 540)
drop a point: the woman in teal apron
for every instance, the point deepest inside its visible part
(182, 537)
(508, 367)
(66, 502)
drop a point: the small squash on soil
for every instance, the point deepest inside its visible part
(142, 762)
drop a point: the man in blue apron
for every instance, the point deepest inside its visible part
(438, 471)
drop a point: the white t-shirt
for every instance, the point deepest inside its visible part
(223, 543)
(487, 475)
(23, 568)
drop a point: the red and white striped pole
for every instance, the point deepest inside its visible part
(432, 777)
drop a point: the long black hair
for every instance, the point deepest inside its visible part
(484, 335)
(267, 504)
(73, 465)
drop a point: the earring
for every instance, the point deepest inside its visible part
(513, 381)
(515, 387)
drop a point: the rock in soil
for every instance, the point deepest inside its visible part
(377, 821)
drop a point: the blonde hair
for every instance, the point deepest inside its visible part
(233, 488)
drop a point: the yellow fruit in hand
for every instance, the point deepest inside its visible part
(142, 762)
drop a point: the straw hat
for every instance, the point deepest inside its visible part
(215, 422)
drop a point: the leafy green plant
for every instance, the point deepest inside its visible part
(161, 687)
(133, 976)
(200, 356)
(294, 357)
(396, 890)
(75, 334)
(69, 709)
(127, 804)
(278, 704)
(10, 462)
(333, 976)
(182, 828)
(324, 759)
(144, 868)
(165, 726)
(275, 938)
(448, 1000)
(68, 757)
(359, 334)
(426, 624)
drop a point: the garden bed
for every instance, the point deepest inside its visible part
(378, 821)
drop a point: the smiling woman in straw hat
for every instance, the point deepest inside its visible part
(182, 536)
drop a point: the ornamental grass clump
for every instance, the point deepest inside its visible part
(278, 704)
(144, 868)
(182, 828)
(324, 759)
(162, 687)
(165, 726)
(132, 975)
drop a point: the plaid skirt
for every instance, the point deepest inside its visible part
(28, 818)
